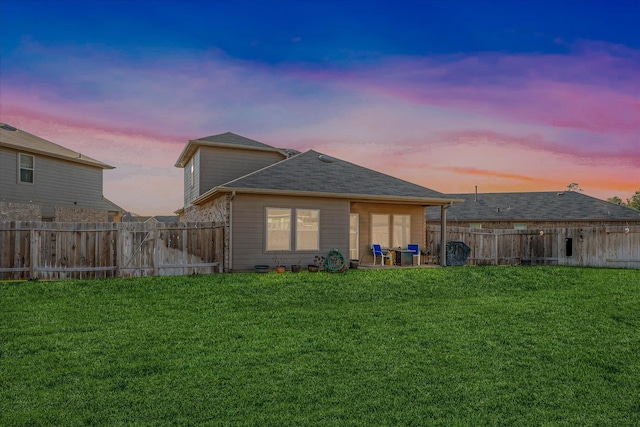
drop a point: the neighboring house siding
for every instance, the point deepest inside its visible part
(218, 165)
(532, 225)
(56, 183)
(365, 210)
(249, 233)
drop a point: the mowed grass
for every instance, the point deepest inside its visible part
(456, 346)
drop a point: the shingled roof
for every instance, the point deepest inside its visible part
(24, 141)
(227, 139)
(535, 206)
(313, 173)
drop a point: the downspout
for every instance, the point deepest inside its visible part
(443, 234)
(233, 195)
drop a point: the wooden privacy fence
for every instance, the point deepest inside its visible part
(46, 250)
(603, 246)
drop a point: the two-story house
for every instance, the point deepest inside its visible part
(43, 181)
(281, 203)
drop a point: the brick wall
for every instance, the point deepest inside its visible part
(63, 214)
(20, 212)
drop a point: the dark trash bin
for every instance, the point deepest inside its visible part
(457, 253)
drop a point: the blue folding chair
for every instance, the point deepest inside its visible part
(416, 251)
(379, 252)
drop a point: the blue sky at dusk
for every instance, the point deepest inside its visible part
(506, 95)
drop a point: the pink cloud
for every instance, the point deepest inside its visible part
(507, 122)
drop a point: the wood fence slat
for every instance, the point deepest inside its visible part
(591, 246)
(45, 250)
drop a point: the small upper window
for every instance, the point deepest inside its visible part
(475, 225)
(26, 168)
(520, 226)
(193, 178)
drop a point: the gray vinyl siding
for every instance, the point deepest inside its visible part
(418, 226)
(249, 229)
(191, 192)
(56, 183)
(221, 165)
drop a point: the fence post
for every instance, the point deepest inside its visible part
(33, 248)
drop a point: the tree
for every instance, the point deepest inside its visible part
(634, 201)
(616, 200)
(574, 186)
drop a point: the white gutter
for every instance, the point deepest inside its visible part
(425, 201)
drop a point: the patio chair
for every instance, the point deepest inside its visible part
(379, 252)
(416, 251)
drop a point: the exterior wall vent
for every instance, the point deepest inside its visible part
(326, 159)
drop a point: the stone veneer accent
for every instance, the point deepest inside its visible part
(63, 214)
(20, 212)
(212, 211)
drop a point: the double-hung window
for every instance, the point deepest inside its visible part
(26, 167)
(307, 229)
(391, 231)
(380, 230)
(278, 229)
(401, 231)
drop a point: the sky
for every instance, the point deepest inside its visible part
(504, 95)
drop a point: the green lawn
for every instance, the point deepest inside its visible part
(454, 346)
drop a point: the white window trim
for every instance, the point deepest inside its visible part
(357, 233)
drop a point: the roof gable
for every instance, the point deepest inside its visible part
(23, 141)
(535, 206)
(237, 141)
(315, 173)
(224, 140)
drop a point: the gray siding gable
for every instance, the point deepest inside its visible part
(538, 206)
(225, 140)
(315, 172)
(229, 138)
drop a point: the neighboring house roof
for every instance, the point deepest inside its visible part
(23, 141)
(228, 139)
(131, 217)
(534, 206)
(110, 206)
(315, 174)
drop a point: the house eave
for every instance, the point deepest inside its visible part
(91, 162)
(423, 201)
